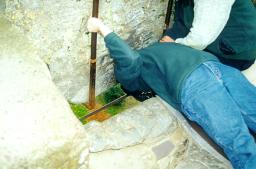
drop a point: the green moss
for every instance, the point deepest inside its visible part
(113, 110)
(104, 98)
(113, 93)
(79, 110)
(127, 103)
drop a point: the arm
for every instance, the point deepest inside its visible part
(128, 63)
(210, 18)
(97, 26)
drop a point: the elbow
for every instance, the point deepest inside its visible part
(199, 44)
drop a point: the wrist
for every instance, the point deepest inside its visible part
(104, 30)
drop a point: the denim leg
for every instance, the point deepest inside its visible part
(243, 93)
(206, 100)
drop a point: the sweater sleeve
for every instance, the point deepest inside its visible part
(128, 63)
(210, 18)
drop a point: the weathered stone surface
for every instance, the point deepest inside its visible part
(2, 6)
(136, 157)
(37, 127)
(251, 74)
(58, 29)
(132, 127)
(151, 135)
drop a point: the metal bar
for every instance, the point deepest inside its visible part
(92, 83)
(168, 14)
(104, 107)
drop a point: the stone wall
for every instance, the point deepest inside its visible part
(39, 131)
(58, 30)
(37, 127)
(2, 6)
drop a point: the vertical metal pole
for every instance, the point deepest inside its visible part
(168, 14)
(91, 104)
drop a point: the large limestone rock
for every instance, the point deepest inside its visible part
(2, 6)
(150, 136)
(37, 127)
(58, 29)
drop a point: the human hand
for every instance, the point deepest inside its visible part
(166, 39)
(96, 25)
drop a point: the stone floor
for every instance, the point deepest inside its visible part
(151, 135)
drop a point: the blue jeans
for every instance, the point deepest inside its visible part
(221, 100)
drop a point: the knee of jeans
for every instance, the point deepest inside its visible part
(194, 116)
(187, 112)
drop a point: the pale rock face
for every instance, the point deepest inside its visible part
(2, 6)
(136, 157)
(58, 30)
(37, 127)
(151, 135)
(130, 128)
(250, 74)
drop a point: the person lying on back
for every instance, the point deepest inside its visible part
(218, 97)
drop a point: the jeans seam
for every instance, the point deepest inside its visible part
(216, 72)
(192, 115)
(244, 113)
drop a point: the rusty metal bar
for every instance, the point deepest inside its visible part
(92, 84)
(169, 13)
(104, 107)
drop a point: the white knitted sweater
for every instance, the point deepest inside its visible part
(210, 18)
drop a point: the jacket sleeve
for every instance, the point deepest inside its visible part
(210, 18)
(127, 62)
(177, 30)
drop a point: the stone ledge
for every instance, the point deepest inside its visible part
(161, 140)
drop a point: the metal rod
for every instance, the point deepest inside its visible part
(168, 14)
(92, 83)
(104, 107)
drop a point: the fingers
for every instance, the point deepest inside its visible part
(166, 39)
(94, 24)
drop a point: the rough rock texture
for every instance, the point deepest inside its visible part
(38, 130)
(251, 74)
(2, 6)
(132, 127)
(37, 127)
(57, 29)
(151, 135)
